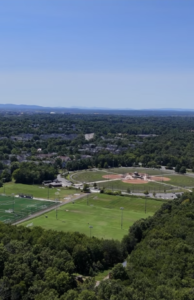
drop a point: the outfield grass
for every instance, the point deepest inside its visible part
(13, 209)
(89, 176)
(37, 191)
(100, 211)
(181, 180)
(148, 171)
(122, 186)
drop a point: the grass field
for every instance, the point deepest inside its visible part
(122, 186)
(181, 180)
(100, 211)
(148, 171)
(36, 190)
(13, 209)
(89, 176)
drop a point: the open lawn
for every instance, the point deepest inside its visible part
(135, 188)
(89, 176)
(148, 171)
(100, 211)
(13, 209)
(181, 180)
(36, 190)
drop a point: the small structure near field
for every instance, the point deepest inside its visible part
(26, 196)
(137, 175)
(52, 183)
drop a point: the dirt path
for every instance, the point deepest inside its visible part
(104, 181)
(98, 282)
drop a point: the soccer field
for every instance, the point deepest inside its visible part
(13, 209)
(38, 191)
(102, 212)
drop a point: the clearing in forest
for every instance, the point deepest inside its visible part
(99, 215)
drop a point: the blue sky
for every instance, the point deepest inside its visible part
(93, 53)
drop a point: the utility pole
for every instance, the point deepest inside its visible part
(4, 185)
(13, 203)
(161, 170)
(121, 208)
(90, 229)
(48, 192)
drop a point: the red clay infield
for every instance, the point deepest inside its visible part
(135, 181)
(112, 176)
(159, 178)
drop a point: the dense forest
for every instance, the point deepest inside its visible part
(40, 264)
(36, 262)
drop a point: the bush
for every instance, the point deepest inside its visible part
(119, 272)
(114, 193)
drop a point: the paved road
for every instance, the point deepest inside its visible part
(64, 181)
(165, 196)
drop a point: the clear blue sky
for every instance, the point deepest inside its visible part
(97, 53)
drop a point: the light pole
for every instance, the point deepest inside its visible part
(4, 185)
(161, 170)
(121, 208)
(57, 194)
(13, 202)
(90, 229)
(48, 191)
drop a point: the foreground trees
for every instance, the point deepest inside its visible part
(37, 263)
(41, 264)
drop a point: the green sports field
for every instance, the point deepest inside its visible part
(135, 188)
(37, 191)
(89, 176)
(181, 180)
(100, 211)
(13, 209)
(149, 171)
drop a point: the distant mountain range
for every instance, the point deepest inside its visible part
(92, 110)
